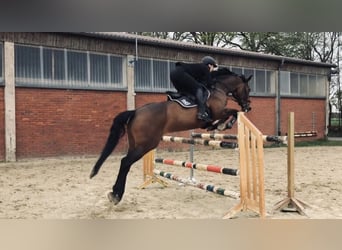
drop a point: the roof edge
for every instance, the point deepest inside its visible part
(122, 36)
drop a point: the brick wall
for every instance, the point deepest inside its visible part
(65, 122)
(303, 109)
(263, 114)
(52, 122)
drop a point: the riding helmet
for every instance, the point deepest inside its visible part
(209, 60)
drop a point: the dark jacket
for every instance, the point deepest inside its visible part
(199, 71)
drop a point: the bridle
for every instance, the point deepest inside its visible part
(243, 104)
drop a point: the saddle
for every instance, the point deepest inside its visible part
(185, 100)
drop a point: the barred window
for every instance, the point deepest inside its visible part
(63, 68)
(153, 75)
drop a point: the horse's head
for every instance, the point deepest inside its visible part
(241, 93)
(237, 85)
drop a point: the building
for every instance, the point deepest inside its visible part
(60, 91)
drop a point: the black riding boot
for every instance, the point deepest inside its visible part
(202, 114)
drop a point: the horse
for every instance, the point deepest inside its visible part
(146, 125)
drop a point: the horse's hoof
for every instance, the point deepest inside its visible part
(92, 173)
(221, 126)
(229, 125)
(114, 198)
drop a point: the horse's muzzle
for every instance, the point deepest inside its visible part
(246, 108)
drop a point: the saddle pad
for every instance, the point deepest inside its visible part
(184, 101)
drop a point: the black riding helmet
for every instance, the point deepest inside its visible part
(209, 60)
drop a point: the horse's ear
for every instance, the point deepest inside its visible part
(249, 78)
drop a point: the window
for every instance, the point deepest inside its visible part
(247, 73)
(153, 75)
(116, 70)
(284, 83)
(99, 71)
(1, 63)
(27, 63)
(270, 81)
(237, 70)
(160, 74)
(143, 74)
(53, 64)
(77, 66)
(303, 80)
(294, 84)
(262, 82)
(63, 68)
(320, 86)
(303, 85)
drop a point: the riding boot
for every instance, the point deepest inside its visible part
(202, 114)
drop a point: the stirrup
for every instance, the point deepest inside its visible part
(204, 117)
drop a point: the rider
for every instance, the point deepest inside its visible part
(189, 78)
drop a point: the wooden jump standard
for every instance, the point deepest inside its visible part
(251, 169)
(291, 203)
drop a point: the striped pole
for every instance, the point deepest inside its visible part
(218, 144)
(266, 138)
(198, 166)
(204, 186)
(214, 136)
(305, 134)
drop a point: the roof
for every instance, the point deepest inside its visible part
(126, 37)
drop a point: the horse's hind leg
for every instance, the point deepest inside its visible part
(126, 163)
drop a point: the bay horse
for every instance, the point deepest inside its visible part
(146, 125)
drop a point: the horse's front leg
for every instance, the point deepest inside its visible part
(232, 120)
(229, 117)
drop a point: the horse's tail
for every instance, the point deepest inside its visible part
(117, 130)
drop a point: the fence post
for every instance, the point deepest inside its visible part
(290, 203)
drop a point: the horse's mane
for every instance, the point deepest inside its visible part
(223, 71)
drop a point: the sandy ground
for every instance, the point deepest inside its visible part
(60, 188)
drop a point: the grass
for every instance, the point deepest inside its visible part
(319, 142)
(336, 122)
